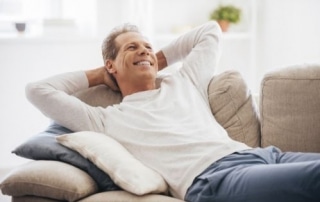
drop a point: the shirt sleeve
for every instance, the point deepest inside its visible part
(53, 97)
(198, 50)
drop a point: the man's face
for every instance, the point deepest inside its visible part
(135, 60)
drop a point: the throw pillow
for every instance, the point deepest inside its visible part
(44, 146)
(50, 179)
(233, 107)
(110, 156)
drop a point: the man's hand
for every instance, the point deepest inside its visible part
(162, 61)
(100, 76)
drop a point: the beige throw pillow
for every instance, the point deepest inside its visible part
(50, 179)
(111, 157)
(234, 108)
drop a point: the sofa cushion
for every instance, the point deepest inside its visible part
(32, 199)
(108, 196)
(44, 146)
(121, 196)
(50, 179)
(290, 108)
(100, 95)
(233, 107)
(111, 157)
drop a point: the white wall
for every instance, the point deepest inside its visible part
(287, 33)
(28, 60)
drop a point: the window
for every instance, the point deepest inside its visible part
(48, 16)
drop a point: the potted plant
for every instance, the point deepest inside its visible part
(226, 14)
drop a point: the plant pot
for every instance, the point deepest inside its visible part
(20, 26)
(224, 24)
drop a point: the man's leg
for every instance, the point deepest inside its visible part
(294, 157)
(294, 182)
(275, 177)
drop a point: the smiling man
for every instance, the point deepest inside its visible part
(130, 61)
(135, 66)
(170, 127)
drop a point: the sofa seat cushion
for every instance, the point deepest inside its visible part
(290, 108)
(107, 196)
(32, 199)
(121, 196)
(49, 179)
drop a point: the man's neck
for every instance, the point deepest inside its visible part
(128, 89)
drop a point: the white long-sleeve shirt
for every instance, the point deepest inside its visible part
(170, 129)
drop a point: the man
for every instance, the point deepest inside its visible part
(170, 127)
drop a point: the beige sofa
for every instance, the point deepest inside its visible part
(288, 117)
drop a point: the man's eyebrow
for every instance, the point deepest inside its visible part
(136, 42)
(131, 43)
(128, 44)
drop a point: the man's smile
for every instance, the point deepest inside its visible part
(143, 63)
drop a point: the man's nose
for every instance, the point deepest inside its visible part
(143, 51)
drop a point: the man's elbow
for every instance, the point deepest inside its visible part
(32, 92)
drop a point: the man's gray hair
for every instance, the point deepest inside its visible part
(109, 47)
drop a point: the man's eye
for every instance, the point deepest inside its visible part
(131, 47)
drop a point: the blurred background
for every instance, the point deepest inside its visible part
(39, 38)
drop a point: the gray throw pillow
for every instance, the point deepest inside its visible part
(44, 146)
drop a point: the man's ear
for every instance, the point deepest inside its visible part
(110, 67)
(111, 80)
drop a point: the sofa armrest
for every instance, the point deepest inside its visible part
(290, 108)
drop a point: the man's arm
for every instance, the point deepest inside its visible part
(99, 76)
(198, 50)
(53, 97)
(197, 47)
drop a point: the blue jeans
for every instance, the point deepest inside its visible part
(259, 175)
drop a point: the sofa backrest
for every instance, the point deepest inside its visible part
(290, 108)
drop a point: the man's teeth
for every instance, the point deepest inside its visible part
(143, 63)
